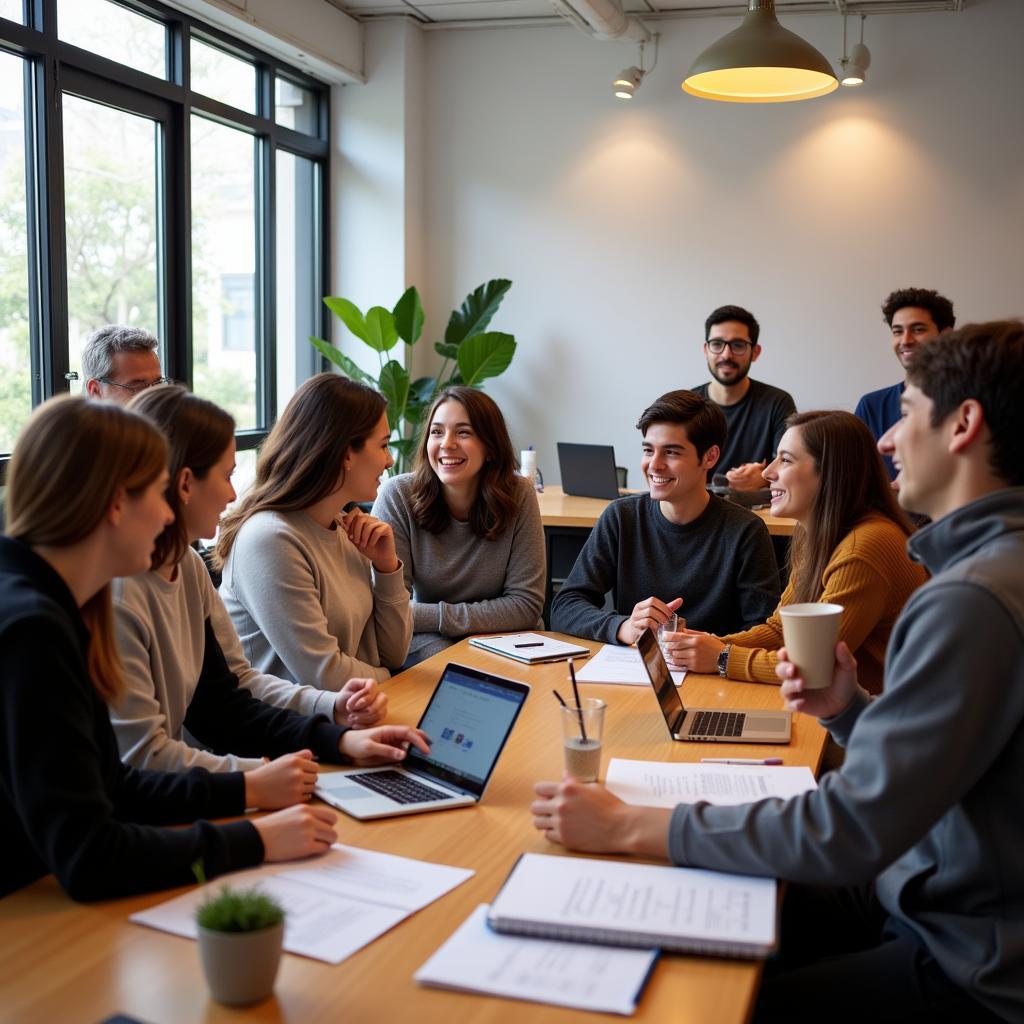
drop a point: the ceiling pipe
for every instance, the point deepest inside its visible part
(605, 18)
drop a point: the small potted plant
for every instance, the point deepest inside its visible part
(240, 936)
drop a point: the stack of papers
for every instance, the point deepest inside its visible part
(585, 977)
(333, 906)
(615, 664)
(661, 784)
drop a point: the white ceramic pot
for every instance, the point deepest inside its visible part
(241, 967)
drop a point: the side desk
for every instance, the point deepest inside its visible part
(568, 521)
(62, 961)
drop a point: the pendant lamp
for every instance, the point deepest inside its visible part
(760, 62)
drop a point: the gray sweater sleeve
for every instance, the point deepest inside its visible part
(139, 720)
(913, 754)
(281, 693)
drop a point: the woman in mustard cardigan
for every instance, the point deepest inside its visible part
(849, 548)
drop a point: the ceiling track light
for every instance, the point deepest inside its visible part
(855, 66)
(628, 80)
(760, 62)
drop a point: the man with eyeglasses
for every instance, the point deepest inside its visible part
(755, 413)
(118, 362)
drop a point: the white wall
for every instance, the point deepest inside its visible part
(623, 225)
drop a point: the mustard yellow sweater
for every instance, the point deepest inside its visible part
(871, 576)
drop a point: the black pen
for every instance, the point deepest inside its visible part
(558, 697)
(541, 644)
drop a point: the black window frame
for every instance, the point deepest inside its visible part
(53, 67)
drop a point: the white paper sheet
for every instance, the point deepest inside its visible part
(599, 978)
(661, 784)
(335, 906)
(615, 664)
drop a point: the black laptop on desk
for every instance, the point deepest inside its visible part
(588, 470)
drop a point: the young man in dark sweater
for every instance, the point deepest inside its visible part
(677, 547)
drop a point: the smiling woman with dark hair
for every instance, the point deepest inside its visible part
(467, 527)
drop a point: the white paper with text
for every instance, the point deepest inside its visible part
(664, 784)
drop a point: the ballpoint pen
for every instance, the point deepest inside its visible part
(741, 760)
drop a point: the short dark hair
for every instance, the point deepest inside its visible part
(984, 362)
(704, 421)
(940, 308)
(726, 313)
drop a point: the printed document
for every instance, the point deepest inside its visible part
(585, 977)
(333, 906)
(663, 784)
(615, 664)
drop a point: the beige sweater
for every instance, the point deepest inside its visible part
(871, 576)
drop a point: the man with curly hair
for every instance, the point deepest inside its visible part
(914, 316)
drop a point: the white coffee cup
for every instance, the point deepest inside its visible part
(810, 632)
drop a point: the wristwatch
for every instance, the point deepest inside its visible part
(723, 660)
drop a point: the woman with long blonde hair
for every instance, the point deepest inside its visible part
(67, 803)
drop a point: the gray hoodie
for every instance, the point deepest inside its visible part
(930, 799)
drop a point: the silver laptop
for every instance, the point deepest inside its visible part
(588, 470)
(468, 720)
(708, 725)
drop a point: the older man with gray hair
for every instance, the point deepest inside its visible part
(119, 361)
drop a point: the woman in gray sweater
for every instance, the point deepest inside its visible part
(317, 593)
(467, 527)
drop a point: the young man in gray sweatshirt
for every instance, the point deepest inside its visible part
(906, 899)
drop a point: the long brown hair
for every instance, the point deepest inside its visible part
(58, 494)
(852, 484)
(198, 433)
(301, 461)
(495, 507)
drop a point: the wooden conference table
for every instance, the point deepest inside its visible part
(62, 961)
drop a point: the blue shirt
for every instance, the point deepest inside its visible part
(880, 410)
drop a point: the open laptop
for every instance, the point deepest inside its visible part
(588, 470)
(468, 720)
(708, 725)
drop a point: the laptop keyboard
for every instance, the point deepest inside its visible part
(399, 787)
(717, 723)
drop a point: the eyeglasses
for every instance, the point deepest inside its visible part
(737, 348)
(136, 386)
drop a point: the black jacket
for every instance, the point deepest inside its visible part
(67, 803)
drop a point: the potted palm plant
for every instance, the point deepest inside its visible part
(240, 937)
(470, 352)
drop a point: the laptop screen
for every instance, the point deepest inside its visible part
(468, 720)
(588, 470)
(661, 679)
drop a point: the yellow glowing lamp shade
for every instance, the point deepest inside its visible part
(760, 62)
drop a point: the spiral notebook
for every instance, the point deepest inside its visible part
(617, 903)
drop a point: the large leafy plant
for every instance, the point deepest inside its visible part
(470, 354)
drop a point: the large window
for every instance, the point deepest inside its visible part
(156, 172)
